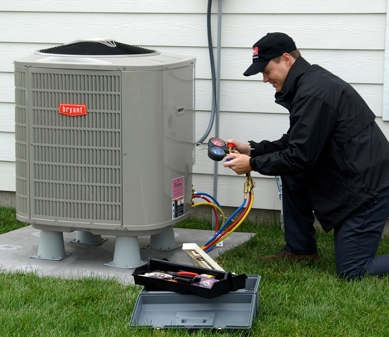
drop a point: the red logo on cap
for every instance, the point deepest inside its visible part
(255, 51)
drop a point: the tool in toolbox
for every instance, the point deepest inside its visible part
(195, 279)
(159, 275)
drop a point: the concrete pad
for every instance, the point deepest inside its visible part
(17, 247)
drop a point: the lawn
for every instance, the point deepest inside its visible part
(295, 299)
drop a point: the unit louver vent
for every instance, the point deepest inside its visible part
(21, 142)
(75, 161)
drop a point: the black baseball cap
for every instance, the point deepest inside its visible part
(269, 47)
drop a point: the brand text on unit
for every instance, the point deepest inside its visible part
(72, 109)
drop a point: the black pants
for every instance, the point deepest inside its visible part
(356, 238)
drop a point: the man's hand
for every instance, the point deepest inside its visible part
(242, 148)
(240, 163)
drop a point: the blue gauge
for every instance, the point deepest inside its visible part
(216, 153)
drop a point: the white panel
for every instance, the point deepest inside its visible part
(7, 147)
(7, 88)
(12, 51)
(117, 6)
(353, 66)
(185, 6)
(327, 32)
(7, 176)
(7, 117)
(234, 61)
(372, 94)
(308, 31)
(249, 96)
(384, 126)
(230, 190)
(304, 6)
(137, 29)
(239, 96)
(343, 63)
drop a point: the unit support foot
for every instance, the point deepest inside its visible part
(51, 246)
(127, 254)
(87, 238)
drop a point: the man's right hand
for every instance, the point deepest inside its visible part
(241, 147)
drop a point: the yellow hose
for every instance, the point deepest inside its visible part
(213, 205)
(241, 220)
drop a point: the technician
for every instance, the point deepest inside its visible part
(333, 160)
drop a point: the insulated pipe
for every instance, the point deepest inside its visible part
(218, 59)
(213, 75)
(215, 87)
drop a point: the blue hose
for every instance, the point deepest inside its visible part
(278, 187)
(207, 195)
(221, 229)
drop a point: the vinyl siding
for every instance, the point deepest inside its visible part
(345, 37)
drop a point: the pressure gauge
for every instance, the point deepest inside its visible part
(216, 153)
(217, 141)
(217, 149)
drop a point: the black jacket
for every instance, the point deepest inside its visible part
(332, 139)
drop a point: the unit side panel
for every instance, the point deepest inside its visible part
(142, 148)
(179, 130)
(157, 147)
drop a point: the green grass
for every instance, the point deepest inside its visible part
(8, 220)
(296, 299)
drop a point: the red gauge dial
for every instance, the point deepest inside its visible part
(218, 142)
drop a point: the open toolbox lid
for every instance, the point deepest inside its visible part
(165, 309)
(226, 281)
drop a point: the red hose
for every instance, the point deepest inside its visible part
(229, 228)
(214, 209)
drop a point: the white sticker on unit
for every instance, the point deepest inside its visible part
(177, 197)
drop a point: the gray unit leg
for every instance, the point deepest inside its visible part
(163, 241)
(51, 246)
(87, 238)
(127, 253)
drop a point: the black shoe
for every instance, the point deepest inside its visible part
(286, 254)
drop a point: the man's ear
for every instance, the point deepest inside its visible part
(288, 59)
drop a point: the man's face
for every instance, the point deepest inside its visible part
(276, 73)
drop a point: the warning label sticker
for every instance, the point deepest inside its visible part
(177, 197)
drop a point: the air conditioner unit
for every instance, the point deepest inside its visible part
(104, 142)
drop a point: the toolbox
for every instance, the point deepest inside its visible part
(226, 281)
(166, 309)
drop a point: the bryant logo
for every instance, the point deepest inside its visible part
(72, 109)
